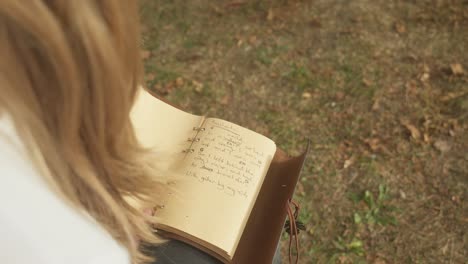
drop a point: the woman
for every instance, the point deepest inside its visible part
(69, 72)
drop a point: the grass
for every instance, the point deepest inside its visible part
(376, 211)
(343, 75)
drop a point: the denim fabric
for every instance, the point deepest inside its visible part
(175, 252)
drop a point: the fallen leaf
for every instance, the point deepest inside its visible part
(424, 77)
(426, 138)
(376, 104)
(367, 82)
(343, 259)
(348, 163)
(457, 69)
(426, 69)
(225, 100)
(253, 40)
(452, 133)
(217, 10)
(357, 19)
(340, 96)
(450, 96)
(179, 82)
(374, 143)
(306, 95)
(456, 199)
(411, 87)
(270, 15)
(169, 87)
(198, 86)
(412, 129)
(315, 23)
(145, 54)
(163, 89)
(442, 146)
(300, 188)
(150, 76)
(400, 27)
(402, 194)
(157, 87)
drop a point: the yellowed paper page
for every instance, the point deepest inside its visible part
(161, 126)
(220, 181)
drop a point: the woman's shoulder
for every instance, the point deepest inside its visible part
(36, 225)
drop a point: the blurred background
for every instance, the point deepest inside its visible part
(381, 89)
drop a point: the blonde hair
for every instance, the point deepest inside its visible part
(69, 73)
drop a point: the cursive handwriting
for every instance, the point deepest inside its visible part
(223, 160)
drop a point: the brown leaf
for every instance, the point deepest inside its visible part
(426, 138)
(163, 89)
(450, 96)
(217, 10)
(424, 77)
(150, 76)
(270, 15)
(348, 163)
(367, 82)
(343, 259)
(374, 143)
(169, 87)
(412, 129)
(426, 68)
(400, 27)
(442, 146)
(456, 199)
(376, 104)
(306, 95)
(315, 23)
(452, 133)
(300, 188)
(457, 69)
(225, 100)
(411, 87)
(197, 86)
(157, 87)
(339, 96)
(253, 40)
(402, 194)
(145, 54)
(179, 82)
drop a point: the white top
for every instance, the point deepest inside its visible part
(36, 225)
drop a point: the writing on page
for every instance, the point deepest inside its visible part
(224, 160)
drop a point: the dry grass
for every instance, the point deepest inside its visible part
(376, 86)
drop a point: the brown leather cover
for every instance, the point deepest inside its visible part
(263, 229)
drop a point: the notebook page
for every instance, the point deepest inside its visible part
(221, 180)
(161, 126)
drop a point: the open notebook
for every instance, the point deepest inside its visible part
(219, 169)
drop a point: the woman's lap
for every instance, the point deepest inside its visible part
(175, 252)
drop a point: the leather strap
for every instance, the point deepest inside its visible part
(293, 229)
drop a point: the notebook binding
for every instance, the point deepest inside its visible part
(193, 140)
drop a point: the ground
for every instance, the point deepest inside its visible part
(379, 87)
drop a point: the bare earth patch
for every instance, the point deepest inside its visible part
(380, 88)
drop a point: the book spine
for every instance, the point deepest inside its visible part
(195, 138)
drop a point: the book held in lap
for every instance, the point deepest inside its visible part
(219, 169)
